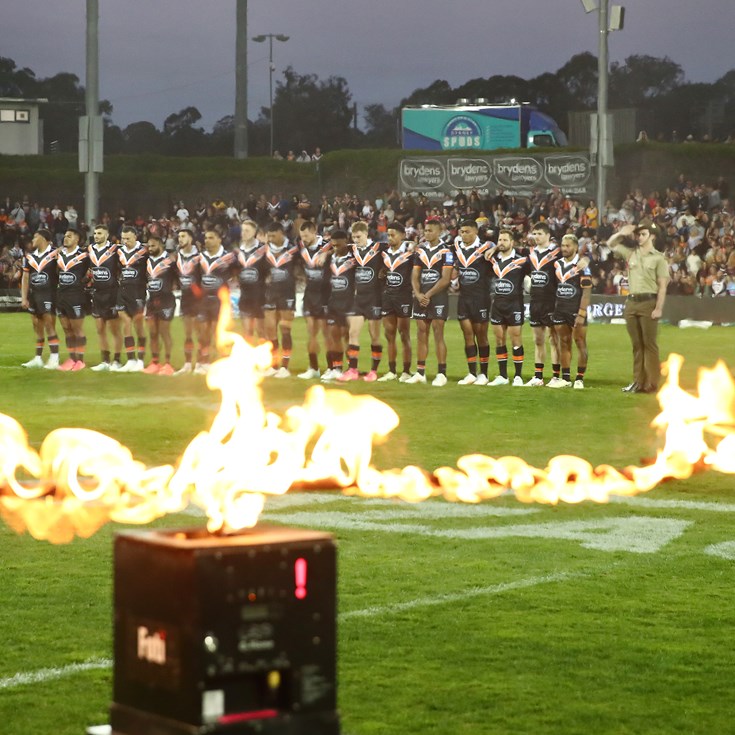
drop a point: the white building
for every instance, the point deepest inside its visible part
(21, 129)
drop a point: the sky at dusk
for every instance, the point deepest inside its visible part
(159, 56)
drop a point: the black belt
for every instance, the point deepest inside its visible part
(642, 296)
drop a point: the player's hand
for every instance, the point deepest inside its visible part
(656, 313)
(24, 303)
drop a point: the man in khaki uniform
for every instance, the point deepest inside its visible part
(648, 274)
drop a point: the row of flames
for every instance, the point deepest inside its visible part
(80, 479)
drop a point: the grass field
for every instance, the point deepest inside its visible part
(497, 618)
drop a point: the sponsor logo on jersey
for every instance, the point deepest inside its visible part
(314, 274)
(364, 275)
(101, 274)
(211, 282)
(67, 279)
(279, 275)
(468, 276)
(566, 291)
(155, 284)
(129, 273)
(504, 287)
(339, 283)
(539, 278)
(186, 281)
(394, 280)
(39, 279)
(249, 275)
(429, 278)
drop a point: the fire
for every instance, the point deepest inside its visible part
(80, 479)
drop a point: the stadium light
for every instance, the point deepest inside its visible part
(260, 39)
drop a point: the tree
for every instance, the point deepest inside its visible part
(142, 137)
(579, 77)
(642, 78)
(311, 113)
(381, 126)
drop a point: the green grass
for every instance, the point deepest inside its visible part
(536, 634)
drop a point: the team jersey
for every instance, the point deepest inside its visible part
(133, 274)
(252, 270)
(161, 274)
(216, 271)
(342, 272)
(508, 275)
(317, 276)
(367, 269)
(398, 266)
(72, 269)
(104, 266)
(280, 264)
(570, 280)
(543, 278)
(187, 270)
(432, 261)
(42, 269)
(474, 270)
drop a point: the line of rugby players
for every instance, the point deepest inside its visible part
(350, 281)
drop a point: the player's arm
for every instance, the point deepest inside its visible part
(586, 284)
(24, 289)
(663, 282)
(415, 283)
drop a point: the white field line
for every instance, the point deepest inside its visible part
(44, 675)
(641, 502)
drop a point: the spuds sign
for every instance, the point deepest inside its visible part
(521, 175)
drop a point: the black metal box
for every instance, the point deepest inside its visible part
(225, 633)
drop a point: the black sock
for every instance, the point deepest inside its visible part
(392, 366)
(471, 355)
(406, 367)
(538, 370)
(518, 360)
(421, 367)
(313, 361)
(566, 374)
(484, 353)
(376, 352)
(501, 353)
(105, 356)
(442, 369)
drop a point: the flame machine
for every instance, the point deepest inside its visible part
(225, 633)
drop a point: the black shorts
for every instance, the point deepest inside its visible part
(315, 304)
(104, 304)
(506, 313)
(368, 306)
(71, 304)
(250, 308)
(474, 308)
(397, 304)
(40, 302)
(161, 306)
(336, 320)
(130, 302)
(567, 317)
(189, 304)
(541, 313)
(438, 308)
(208, 309)
(280, 302)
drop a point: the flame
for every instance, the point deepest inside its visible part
(80, 479)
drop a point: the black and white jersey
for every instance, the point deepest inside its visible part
(72, 269)
(161, 274)
(317, 276)
(397, 269)
(280, 264)
(570, 280)
(188, 272)
(432, 261)
(216, 271)
(104, 266)
(474, 270)
(42, 269)
(507, 277)
(133, 274)
(543, 278)
(369, 262)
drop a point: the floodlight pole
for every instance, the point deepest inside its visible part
(92, 103)
(241, 80)
(602, 127)
(271, 68)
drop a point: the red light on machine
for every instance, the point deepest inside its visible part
(299, 570)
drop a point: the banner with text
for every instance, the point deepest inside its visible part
(489, 175)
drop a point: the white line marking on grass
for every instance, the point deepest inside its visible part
(639, 502)
(42, 675)
(140, 401)
(495, 589)
(725, 550)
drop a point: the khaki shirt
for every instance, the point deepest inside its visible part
(644, 269)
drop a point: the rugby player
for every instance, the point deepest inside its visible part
(251, 276)
(433, 263)
(104, 269)
(38, 296)
(217, 266)
(316, 293)
(161, 304)
(506, 314)
(472, 270)
(342, 268)
(280, 296)
(188, 275)
(542, 256)
(396, 300)
(368, 301)
(73, 264)
(573, 292)
(131, 297)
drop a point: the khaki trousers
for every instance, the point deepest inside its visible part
(643, 331)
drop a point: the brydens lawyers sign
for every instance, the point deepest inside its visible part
(442, 176)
